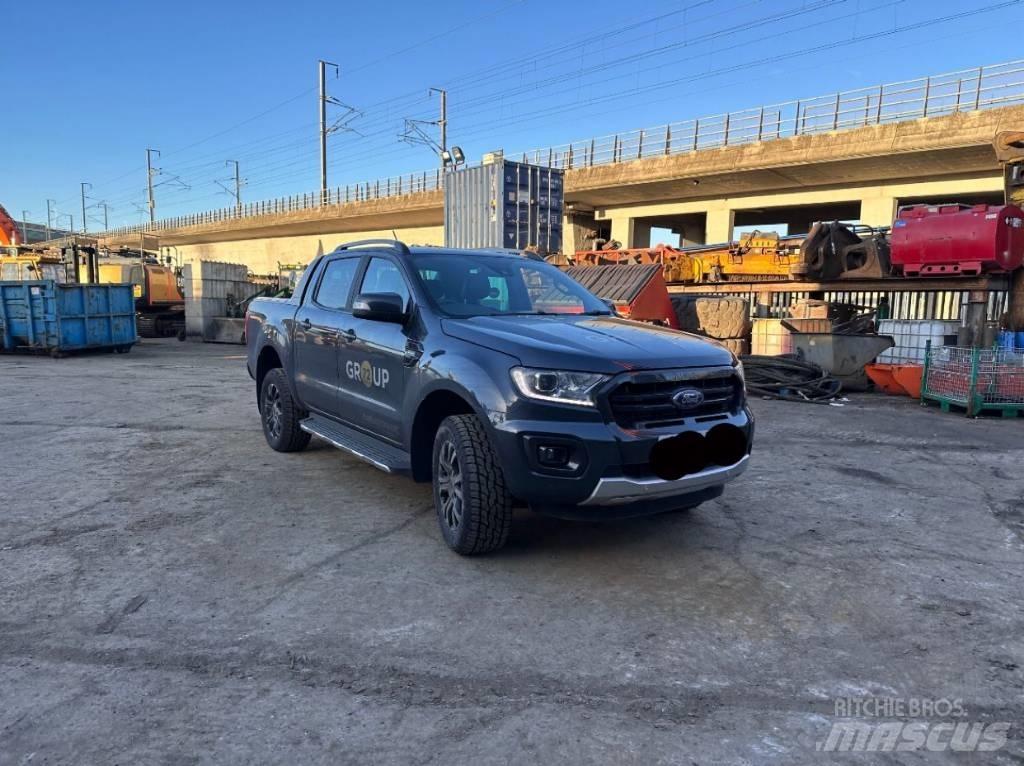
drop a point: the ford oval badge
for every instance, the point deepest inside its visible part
(688, 398)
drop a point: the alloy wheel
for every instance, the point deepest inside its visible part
(449, 485)
(273, 413)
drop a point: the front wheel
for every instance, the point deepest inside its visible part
(281, 414)
(474, 508)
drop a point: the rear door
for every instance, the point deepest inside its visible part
(374, 357)
(317, 334)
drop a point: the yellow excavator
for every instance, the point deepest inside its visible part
(159, 300)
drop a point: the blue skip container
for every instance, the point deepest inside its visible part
(58, 318)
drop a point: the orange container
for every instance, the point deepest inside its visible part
(908, 376)
(882, 376)
(897, 379)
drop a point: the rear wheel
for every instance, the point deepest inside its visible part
(474, 508)
(280, 414)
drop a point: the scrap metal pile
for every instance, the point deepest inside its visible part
(830, 250)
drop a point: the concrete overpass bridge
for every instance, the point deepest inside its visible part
(856, 155)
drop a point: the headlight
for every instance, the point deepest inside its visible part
(557, 385)
(739, 370)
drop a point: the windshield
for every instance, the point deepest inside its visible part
(471, 284)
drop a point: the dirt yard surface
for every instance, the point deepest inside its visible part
(174, 592)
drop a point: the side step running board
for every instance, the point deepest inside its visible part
(372, 450)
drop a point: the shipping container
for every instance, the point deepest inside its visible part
(504, 204)
(48, 316)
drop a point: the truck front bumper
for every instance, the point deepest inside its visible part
(617, 490)
(612, 475)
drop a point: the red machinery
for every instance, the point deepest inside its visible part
(943, 240)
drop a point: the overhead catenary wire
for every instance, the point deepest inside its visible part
(275, 164)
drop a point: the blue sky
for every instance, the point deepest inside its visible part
(88, 86)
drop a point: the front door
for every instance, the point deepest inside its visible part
(317, 335)
(373, 358)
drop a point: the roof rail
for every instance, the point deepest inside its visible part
(393, 244)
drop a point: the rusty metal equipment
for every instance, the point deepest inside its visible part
(677, 265)
(757, 255)
(637, 291)
(834, 250)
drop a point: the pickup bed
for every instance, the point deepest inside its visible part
(501, 380)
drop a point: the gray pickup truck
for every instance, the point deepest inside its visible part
(500, 379)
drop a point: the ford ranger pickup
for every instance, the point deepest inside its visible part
(499, 379)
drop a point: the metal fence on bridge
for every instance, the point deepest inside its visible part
(984, 87)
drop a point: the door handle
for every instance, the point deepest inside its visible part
(306, 324)
(347, 335)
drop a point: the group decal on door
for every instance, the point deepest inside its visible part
(367, 374)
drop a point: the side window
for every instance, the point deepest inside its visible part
(334, 287)
(383, 276)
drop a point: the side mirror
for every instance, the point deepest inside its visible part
(380, 307)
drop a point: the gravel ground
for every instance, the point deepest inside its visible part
(172, 591)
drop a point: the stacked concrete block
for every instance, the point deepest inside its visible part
(210, 286)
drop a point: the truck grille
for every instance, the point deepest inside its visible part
(649, 404)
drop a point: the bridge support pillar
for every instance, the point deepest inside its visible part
(877, 210)
(719, 225)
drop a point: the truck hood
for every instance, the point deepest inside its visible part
(588, 343)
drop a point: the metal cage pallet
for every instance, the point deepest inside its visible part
(976, 380)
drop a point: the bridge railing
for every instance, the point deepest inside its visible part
(966, 90)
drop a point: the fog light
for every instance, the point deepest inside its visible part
(552, 455)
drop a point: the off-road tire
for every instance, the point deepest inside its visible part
(280, 414)
(724, 317)
(484, 504)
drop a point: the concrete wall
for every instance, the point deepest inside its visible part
(261, 255)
